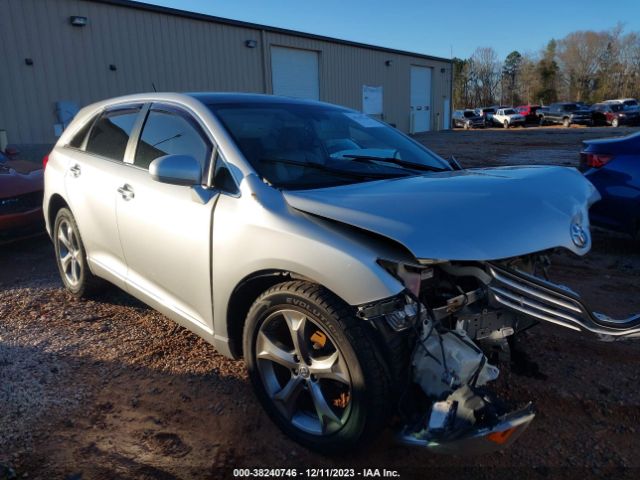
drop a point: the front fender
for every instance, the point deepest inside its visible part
(252, 233)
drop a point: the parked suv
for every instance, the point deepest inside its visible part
(566, 114)
(614, 114)
(627, 103)
(487, 115)
(467, 119)
(359, 274)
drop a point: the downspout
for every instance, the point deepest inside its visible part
(263, 46)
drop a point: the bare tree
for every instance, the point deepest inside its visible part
(583, 66)
(529, 81)
(581, 54)
(486, 68)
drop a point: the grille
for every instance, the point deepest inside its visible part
(21, 203)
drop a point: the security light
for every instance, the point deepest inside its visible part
(78, 21)
(251, 43)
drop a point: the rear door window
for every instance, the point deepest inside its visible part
(110, 134)
(168, 132)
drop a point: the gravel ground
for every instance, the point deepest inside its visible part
(109, 388)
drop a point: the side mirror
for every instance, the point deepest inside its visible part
(176, 170)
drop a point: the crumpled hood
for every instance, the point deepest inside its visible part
(477, 214)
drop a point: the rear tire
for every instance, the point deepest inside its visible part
(541, 121)
(615, 123)
(71, 257)
(566, 122)
(328, 410)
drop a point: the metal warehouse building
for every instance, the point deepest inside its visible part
(61, 54)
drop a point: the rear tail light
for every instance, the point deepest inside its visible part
(594, 160)
(45, 160)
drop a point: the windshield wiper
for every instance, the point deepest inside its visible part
(324, 168)
(395, 161)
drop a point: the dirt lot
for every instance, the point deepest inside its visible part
(111, 389)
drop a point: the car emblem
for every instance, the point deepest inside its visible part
(578, 235)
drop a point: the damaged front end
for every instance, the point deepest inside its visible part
(463, 318)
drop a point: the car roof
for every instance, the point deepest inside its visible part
(208, 98)
(212, 98)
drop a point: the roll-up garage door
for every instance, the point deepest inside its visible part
(295, 73)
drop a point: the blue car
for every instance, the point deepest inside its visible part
(613, 166)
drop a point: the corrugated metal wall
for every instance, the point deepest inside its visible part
(174, 53)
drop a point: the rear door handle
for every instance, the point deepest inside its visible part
(75, 171)
(126, 192)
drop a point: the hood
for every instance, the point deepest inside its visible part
(480, 214)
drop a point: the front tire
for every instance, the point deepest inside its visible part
(315, 367)
(615, 123)
(566, 122)
(71, 257)
(506, 124)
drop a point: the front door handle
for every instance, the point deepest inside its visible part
(126, 191)
(75, 171)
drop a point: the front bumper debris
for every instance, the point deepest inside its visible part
(475, 440)
(543, 300)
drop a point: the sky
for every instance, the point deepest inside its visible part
(442, 28)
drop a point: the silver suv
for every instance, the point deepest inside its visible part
(358, 274)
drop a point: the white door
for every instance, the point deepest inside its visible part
(294, 73)
(420, 99)
(446, 125)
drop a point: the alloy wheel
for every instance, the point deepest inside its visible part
(303, 372)
(69, 253)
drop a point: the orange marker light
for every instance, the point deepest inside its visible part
(501, 437)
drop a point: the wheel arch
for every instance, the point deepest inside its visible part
(56, 202)
(245, 293)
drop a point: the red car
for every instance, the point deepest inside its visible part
(21, 192)
(529, 112)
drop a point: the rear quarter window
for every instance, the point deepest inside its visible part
(78, 139)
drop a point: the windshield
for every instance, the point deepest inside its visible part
(509, 111)
(631, 103)
(469, 114)
(570, 107)
(617, 108)
(295, 146)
